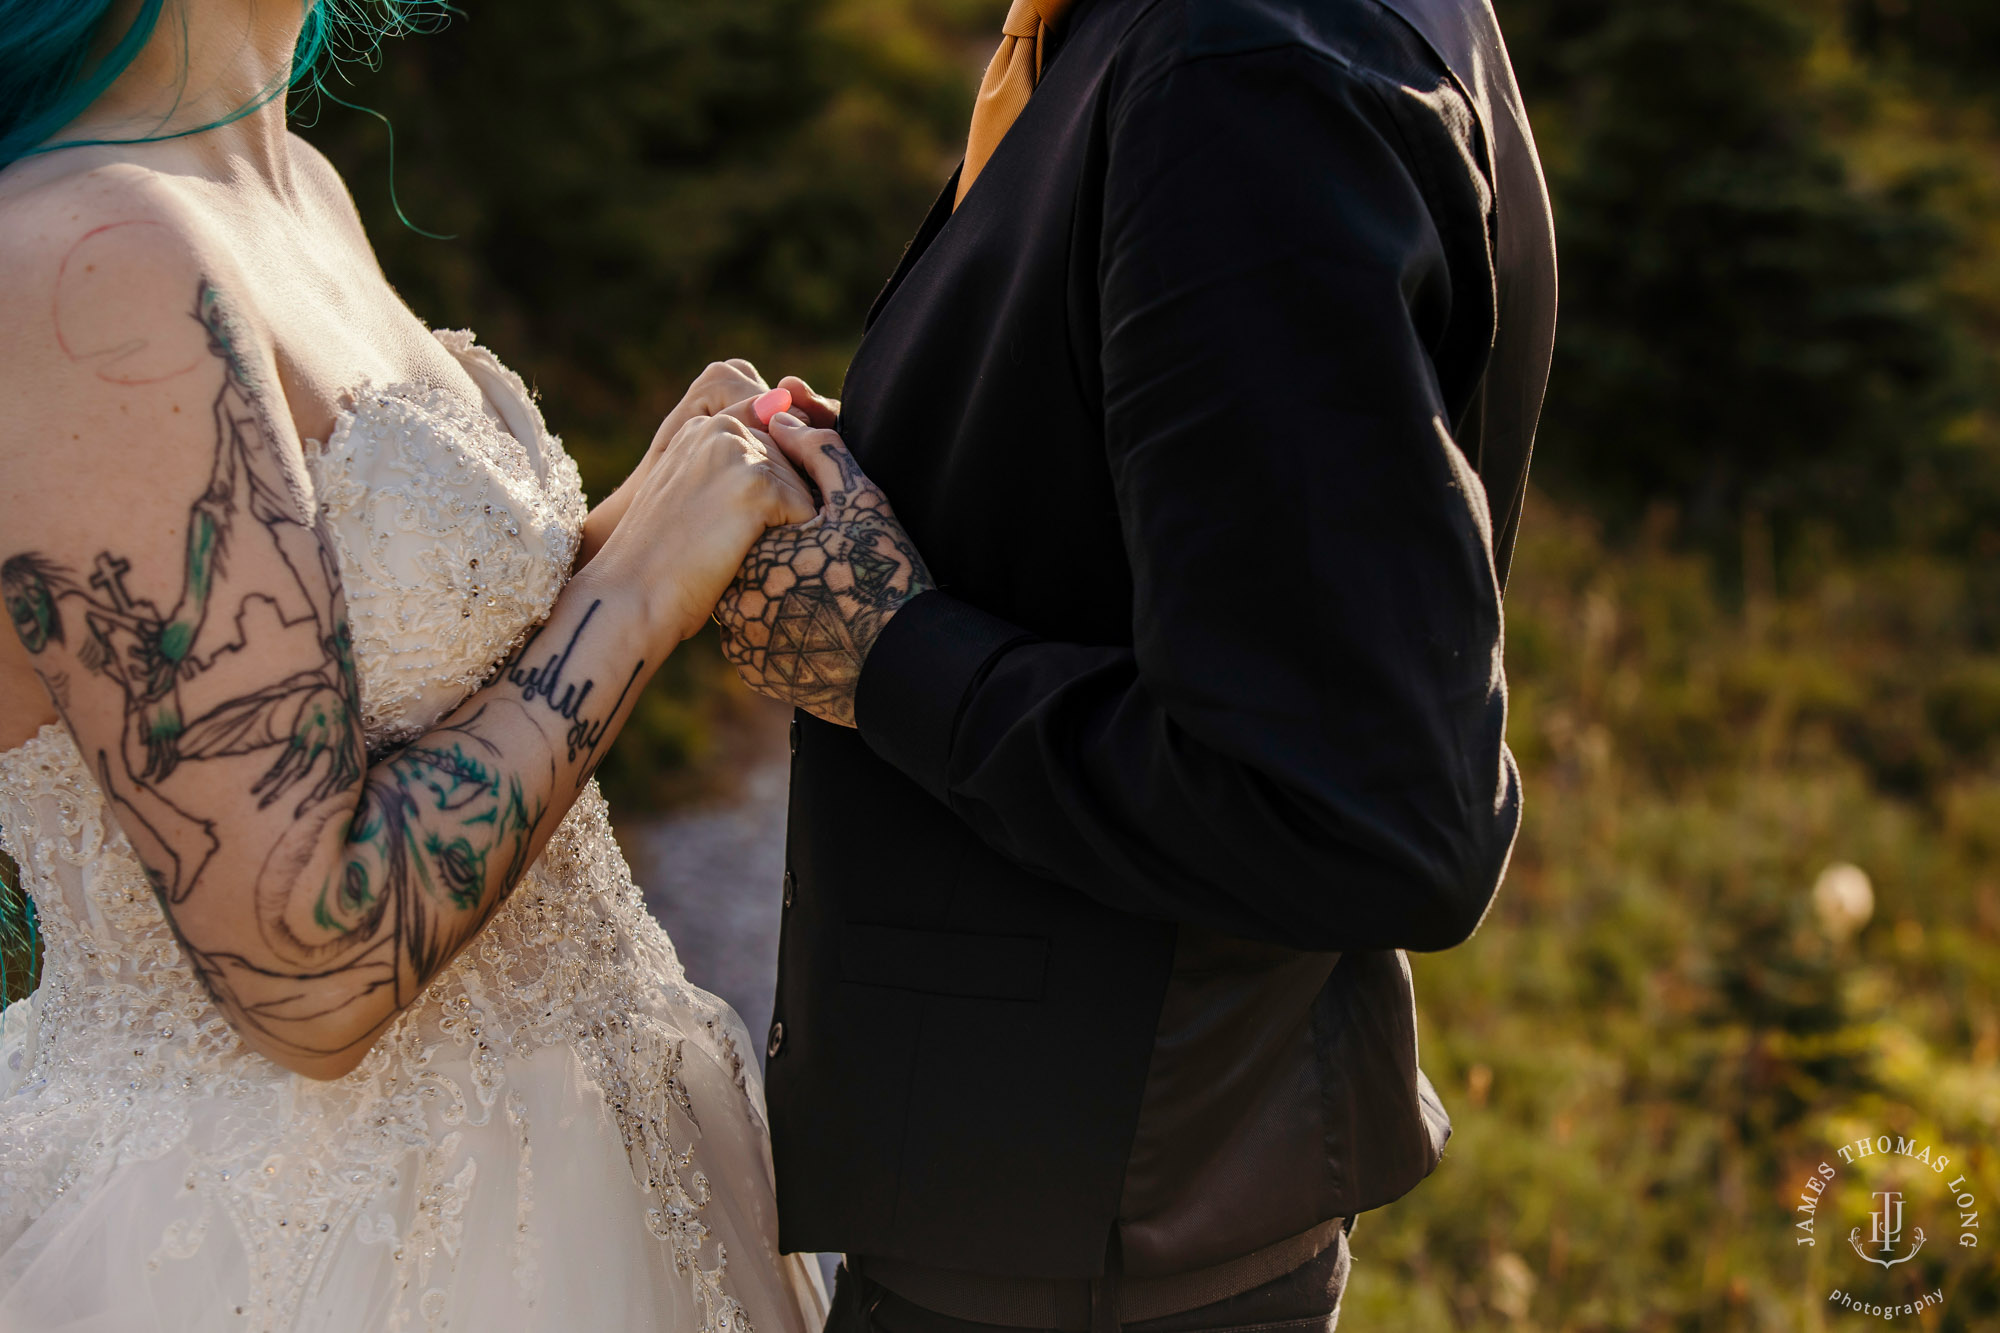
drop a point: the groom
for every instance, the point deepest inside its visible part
(1171, 711)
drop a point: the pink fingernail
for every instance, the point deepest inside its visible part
(786, 419)
(772, 403)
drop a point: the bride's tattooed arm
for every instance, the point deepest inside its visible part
(811, 600)
(210, 682)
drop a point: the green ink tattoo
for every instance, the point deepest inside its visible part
(430, 840)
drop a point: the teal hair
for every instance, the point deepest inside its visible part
(20, 940)
(47, 76)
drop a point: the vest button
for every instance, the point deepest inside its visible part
(777, 1042)
(791, 887)
(795, 737)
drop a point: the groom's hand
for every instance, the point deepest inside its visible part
(814, 408)
(811, 599)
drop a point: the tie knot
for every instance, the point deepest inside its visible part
(1025, 18)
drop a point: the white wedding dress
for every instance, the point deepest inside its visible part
(561, 1135)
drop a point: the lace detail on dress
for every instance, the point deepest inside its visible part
(526, 1275)
(125, 1061)
(452, 545)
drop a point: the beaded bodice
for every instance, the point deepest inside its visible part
(455, 527)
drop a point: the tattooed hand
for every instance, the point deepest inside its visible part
(811, 600)
(189, 621)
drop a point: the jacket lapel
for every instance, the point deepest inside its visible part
(933, 224)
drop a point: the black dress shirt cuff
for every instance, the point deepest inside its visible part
(930, 655)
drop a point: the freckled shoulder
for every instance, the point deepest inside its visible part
(107, 377)
(87, 256)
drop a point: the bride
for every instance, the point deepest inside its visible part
(351, 1017)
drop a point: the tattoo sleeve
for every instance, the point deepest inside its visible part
(810, 600)
(241, 746)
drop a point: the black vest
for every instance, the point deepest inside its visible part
(960, 1046)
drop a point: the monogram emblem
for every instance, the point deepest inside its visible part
(1885, 1232)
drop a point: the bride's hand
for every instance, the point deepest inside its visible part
(706, 497)
(726, 386)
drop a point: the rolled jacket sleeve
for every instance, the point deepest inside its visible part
(1304, 741)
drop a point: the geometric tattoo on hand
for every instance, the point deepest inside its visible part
(811, 599)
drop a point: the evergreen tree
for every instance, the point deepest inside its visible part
(636, 188)
(1960, 37)
(1745, 326)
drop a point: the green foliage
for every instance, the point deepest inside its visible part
(1959, 37)
(1751, 322)
(1653, 1039)
(20, 946)
(637, 188)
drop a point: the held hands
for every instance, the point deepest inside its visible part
(702, 496)
(726, 386)
(801, 612)
(809, 602)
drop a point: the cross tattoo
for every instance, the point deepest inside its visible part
(109, 577)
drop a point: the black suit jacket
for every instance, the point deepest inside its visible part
(1210, 409)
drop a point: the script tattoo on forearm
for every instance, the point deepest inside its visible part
(541, 682)
(433, 836)
(810, 600)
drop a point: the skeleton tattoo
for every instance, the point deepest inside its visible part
(431, 837)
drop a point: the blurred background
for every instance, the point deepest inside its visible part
(1753, 627)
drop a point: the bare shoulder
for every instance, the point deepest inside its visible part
(322, 181)
(40, 222)
(118, 329)
(98, 274)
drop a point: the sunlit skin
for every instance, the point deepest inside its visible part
(176, 319)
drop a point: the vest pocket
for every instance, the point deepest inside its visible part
(938, 962)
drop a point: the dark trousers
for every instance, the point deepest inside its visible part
(1306, 1300)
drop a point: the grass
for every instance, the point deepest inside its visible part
(1654, 1038)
